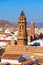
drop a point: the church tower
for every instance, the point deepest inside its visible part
(32, 30)
(22, 33)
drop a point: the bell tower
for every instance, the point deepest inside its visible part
(22, 33)
(32, 30)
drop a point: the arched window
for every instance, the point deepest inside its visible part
(19, 30)
(22, 26)
(15, 42)
(19, 27)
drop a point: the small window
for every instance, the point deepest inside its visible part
(23, 27)
(20, 27)
(15, 42)
(20, 30)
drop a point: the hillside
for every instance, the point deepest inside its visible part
(6, 24)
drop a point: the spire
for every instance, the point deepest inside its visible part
(22, 14)
(32, 21)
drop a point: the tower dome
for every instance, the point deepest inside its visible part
(22, 13)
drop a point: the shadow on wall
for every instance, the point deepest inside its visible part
(40, 36)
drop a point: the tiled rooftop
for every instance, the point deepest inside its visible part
(11, 56)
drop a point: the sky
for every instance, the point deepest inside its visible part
(10, 10)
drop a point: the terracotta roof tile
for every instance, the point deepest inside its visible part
(11, 56)
(5, 40)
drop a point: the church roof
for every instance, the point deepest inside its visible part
(22, 13)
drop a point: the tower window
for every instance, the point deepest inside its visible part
(19, 30)
(23, 27)
(20, 27)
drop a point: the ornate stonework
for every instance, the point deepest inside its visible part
(22, 33)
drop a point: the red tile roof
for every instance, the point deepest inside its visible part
(5, 40)
(11, 56)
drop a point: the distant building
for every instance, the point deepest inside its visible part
(7, 31)
(32, 31)
(22, 32)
